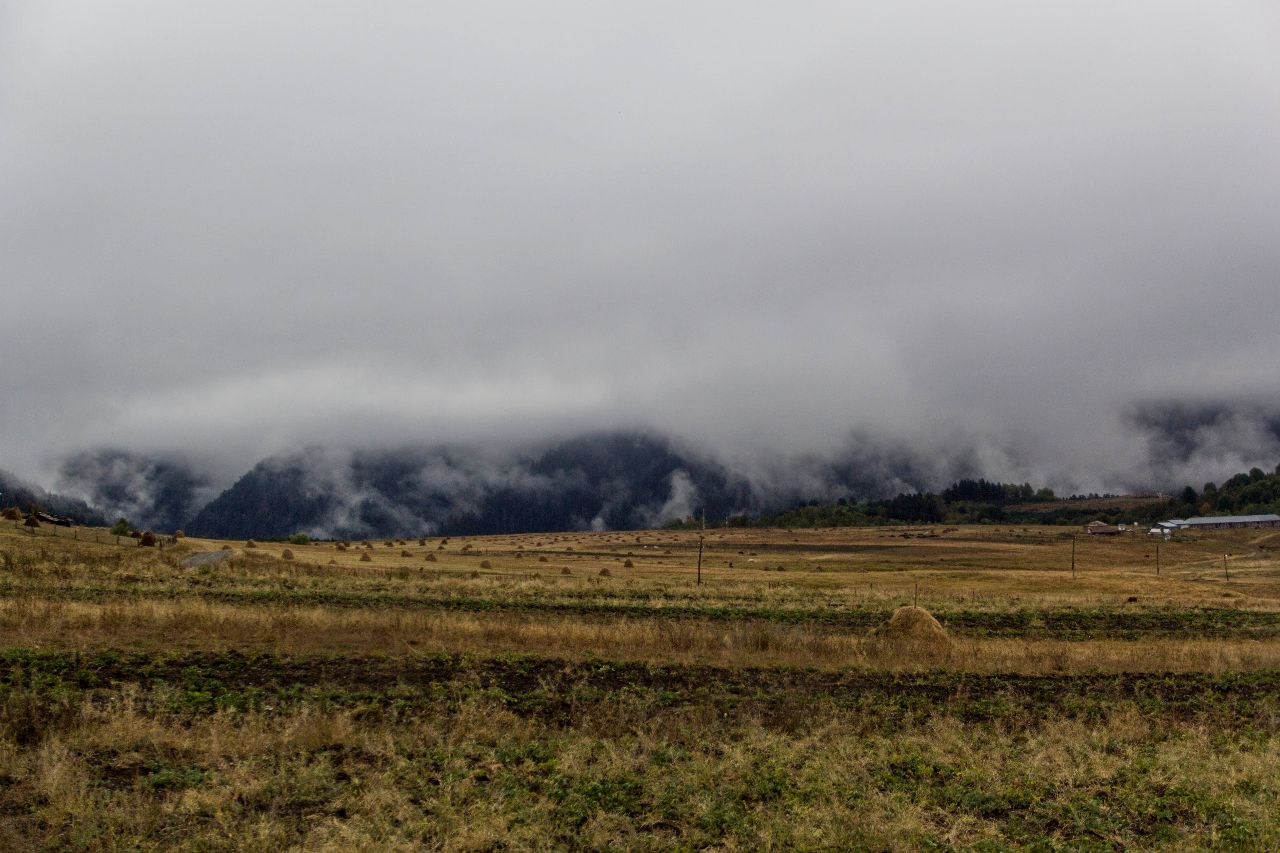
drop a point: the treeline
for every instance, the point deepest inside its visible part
(981, 502)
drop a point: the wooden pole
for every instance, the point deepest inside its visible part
(701, 537)
(1157, 558)
(1073, 556)
(1225, 570)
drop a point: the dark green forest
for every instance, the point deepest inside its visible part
(980, 501)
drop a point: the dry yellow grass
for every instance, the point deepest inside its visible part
(186, 625)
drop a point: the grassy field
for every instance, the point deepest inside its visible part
(584, 691)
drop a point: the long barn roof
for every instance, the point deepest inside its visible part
(1228, 519)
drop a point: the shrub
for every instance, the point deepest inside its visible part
(299, 539)
(178, 534)
(121, 527)
(147, 540)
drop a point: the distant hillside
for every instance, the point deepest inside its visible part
(16, 492)
(612, 480)
(605, 481)
(978, 501)
(154, 493)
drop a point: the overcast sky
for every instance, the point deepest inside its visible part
(234, 228)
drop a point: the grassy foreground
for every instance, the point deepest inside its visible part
(485, 699)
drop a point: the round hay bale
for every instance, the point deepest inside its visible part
(365, 558)
(286, 554)
(913, 628)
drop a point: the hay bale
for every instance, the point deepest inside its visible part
(286, 554)
(12, 514)
(605, 573)
(147, 540)
(565, 571)
(178, 534)
(251, 544)
(628, 565)
(431, 558)
(405, 554)
(365, 558)
(485, 564)
(914, 629)
(542, 559)
(31, 521)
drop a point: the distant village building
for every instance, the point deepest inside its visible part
(1218, 522)
(1101, 528)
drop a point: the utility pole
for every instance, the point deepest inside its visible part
(702, 535)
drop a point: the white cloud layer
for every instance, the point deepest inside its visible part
(234, 228)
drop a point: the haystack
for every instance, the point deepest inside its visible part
(286, 554)
(12, 514)
(365, 558)
(913, 629)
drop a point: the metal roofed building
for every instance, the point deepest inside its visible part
(1222, 522)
